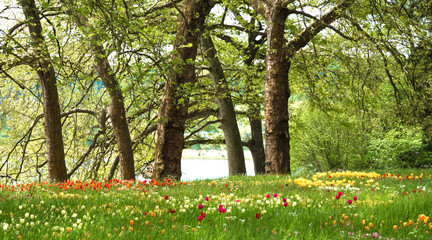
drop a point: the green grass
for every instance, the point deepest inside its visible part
(116, 210)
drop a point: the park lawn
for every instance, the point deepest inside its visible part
(332, 205)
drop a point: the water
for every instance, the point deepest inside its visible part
(208, 164)
(194, 169)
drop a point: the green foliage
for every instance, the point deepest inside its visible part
(324, 142)
(397, 147)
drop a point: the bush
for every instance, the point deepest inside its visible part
(397, 147)
(324, 142)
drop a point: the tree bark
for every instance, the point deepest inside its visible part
(227, 115)
(52, 122)
(278, 60)
(174, 106)
(277, 93)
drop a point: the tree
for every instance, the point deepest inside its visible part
(174, 107)
(278, 61)
(47, 77)
(227, 115)
(117, 112)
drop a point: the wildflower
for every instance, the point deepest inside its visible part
(355, 198)
(206, 198)
(258, 215)
(5, 226)
(166, 196)
(68, 229)
(394, 227)
(284, 199)
(200, 218)
(22, 220)
(131, 222)
(144, 213)
(340, 193)
(200, 206)
(172, 211)
(275, 195)
(349, 201)
(63, 212)
(337, 197)
(268, 195)
(285, 204)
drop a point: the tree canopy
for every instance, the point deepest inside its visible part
(95, 89)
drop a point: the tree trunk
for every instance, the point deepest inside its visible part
(174, 106)
(277, 93)
(117, 112)
(278, 61)
(52, 122)
(227, 115)
(256, 144)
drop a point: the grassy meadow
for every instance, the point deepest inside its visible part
(329, 205)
